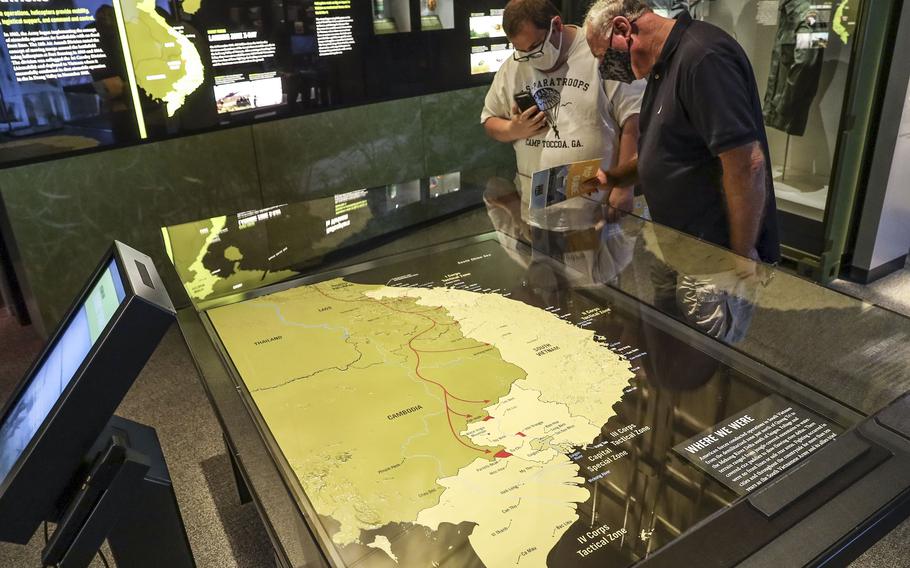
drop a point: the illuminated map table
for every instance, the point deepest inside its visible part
(523, 398)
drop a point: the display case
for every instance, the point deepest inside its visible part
(831, 96)
(476, 391)
(801, 53)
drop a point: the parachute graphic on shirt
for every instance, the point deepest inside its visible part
(548, 101)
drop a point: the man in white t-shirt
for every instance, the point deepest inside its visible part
(578, 116)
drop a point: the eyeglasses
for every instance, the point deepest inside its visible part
(532, 55)
(535, 53)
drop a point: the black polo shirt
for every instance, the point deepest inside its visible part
(701, 101)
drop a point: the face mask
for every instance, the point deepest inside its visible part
(550, 53)
(616, 65)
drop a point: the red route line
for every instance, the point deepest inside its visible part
(428, 311)
(462, 415)
(469, 401)
(445, 392)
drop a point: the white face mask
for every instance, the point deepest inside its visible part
(549, 53)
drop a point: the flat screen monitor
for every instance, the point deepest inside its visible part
(64, 401)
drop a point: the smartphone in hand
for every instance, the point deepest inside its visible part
(524, 101)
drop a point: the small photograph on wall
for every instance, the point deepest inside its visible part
(391, 16)
(237, 96)
(437, 15)
(484, 26)
(489, 58)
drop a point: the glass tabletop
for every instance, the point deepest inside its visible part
(221, 256)
(480, 390)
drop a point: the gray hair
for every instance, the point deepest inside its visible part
(601, 13)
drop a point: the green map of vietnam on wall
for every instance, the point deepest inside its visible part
(168, 67)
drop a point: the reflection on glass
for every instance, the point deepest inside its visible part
(63, 85)
(391, 16)
(519, 395)
(437, 15)
(445, 184)
(527, 393)
(401, 194)
(800, 53)
(802, 329)
(234, 253)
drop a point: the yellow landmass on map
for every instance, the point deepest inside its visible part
(203, 283)
(166, 62)
(562, 361)
(521, 507)
(525, 505)
(532, 429)
(188, 246)
(384, 544)
(191, 6)
(526, 501)
(838, 24)
(233, 253)
(427, 405)
(367, 399)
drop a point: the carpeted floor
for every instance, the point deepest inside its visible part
(167, 396)
(892, 291)
(225, 534)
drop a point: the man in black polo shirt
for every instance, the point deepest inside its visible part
(703, 161)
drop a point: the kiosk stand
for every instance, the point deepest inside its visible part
(127, 498)
(65, 457)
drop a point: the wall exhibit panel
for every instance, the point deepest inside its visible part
(333, 152)
(65, 213)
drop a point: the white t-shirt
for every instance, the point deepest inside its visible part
(585, 114)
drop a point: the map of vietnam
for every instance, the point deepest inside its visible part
(392, 405)
(168, 67)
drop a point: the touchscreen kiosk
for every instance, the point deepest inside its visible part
(63, 403)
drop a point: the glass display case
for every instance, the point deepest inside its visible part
(801, 53)
(822, 69)
(475, 391)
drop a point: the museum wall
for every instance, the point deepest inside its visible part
(63, 214)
